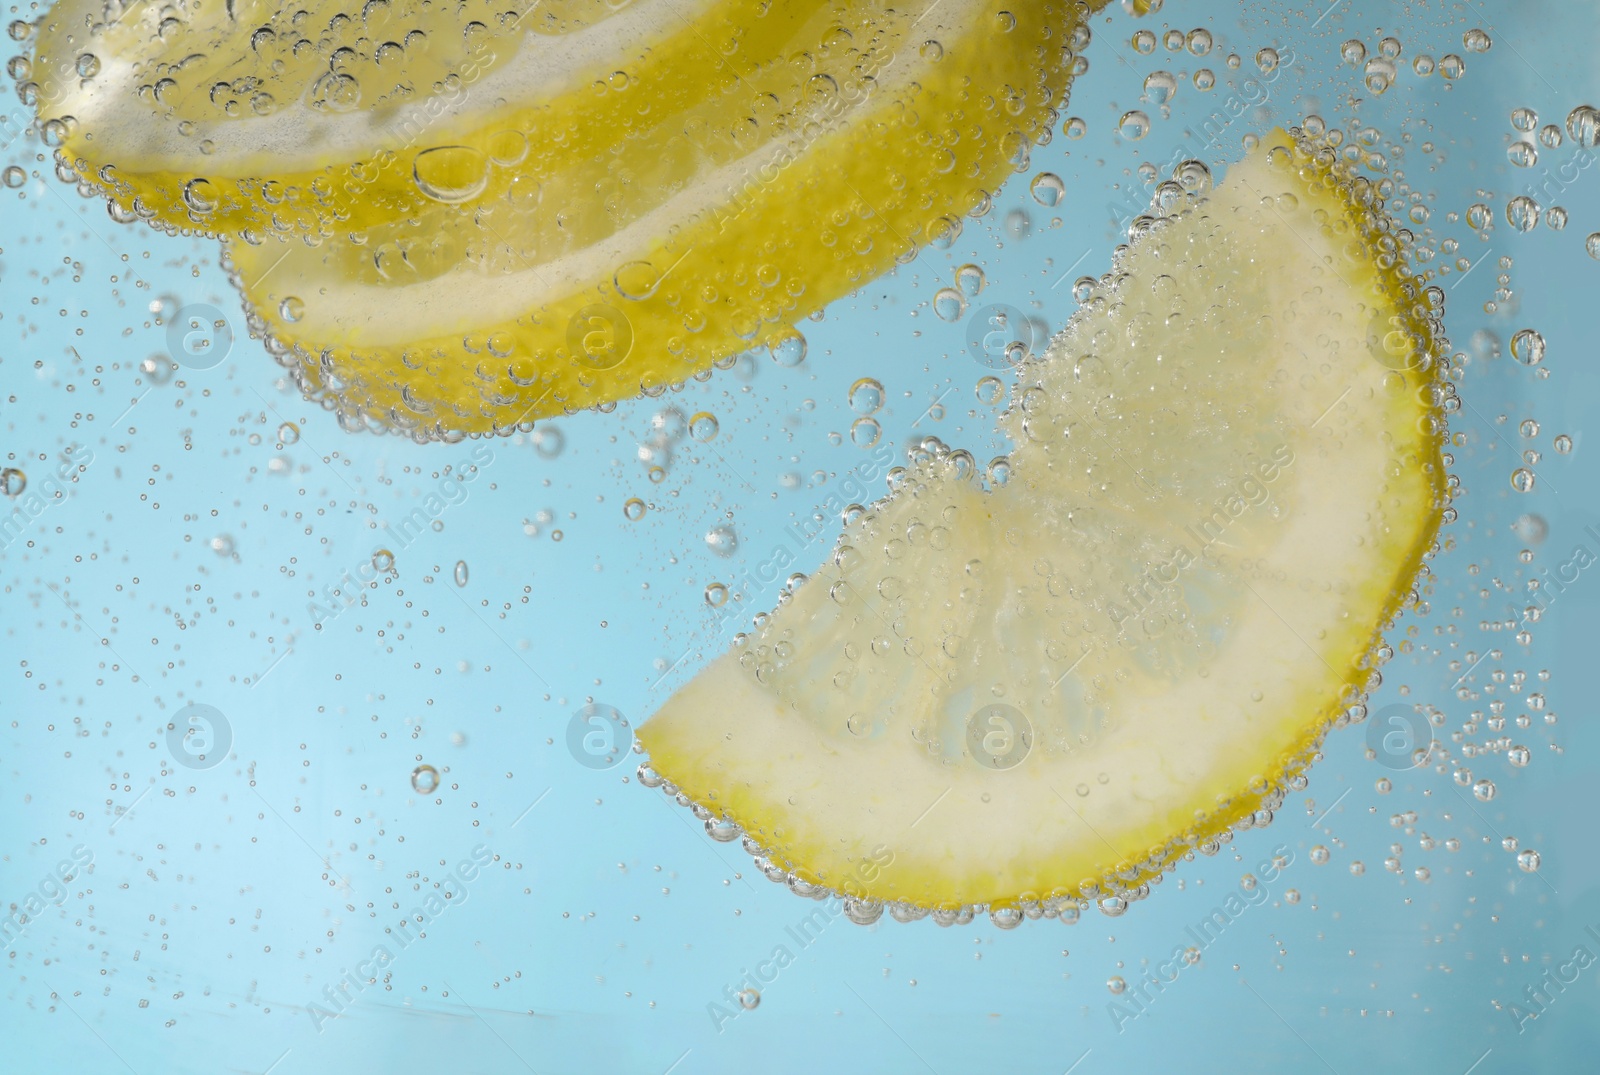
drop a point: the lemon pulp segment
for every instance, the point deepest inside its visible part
(1226, 475)
(496, 223)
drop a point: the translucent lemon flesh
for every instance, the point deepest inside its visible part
(1227, 473)
(515, 215)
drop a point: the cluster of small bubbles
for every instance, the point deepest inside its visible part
(1522, 212)
(1583, 126)
(1476, 40)
(1527, 347)
(866, 396)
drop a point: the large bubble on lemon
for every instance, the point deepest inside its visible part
(460, 219)
(1227, 473)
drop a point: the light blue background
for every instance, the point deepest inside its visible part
(223, 903)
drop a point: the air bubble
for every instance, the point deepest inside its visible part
(1583, 125)
(1047, 189)
(1528, 347)
(864, 432)
(703, 426)
(1476, 41)
(425, 779)
(866, 396)
(722, 541)
(633, 509)
(451, 173)
(949, 304)
(1134, 125)
(1522, 212)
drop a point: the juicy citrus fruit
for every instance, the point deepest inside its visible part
(492, 216)
(1227, 472)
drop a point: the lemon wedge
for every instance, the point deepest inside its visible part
(1227, 474)
(492, 215)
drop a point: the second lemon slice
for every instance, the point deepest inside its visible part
(802, 151)
(1227, 473)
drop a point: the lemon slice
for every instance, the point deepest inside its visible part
(496, 214)
(324, 117)
(1227, 473)
(773, 158)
